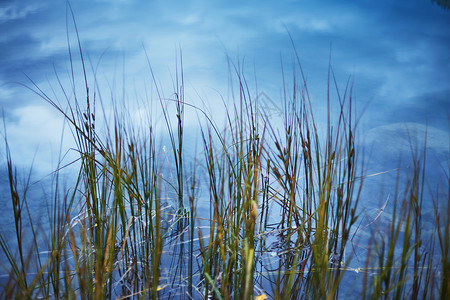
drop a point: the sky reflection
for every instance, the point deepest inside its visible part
(396, 53)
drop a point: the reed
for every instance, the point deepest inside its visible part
(283, 201)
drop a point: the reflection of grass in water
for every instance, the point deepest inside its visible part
(443, 3)
(139, 234)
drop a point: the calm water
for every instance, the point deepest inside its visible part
(396, 55)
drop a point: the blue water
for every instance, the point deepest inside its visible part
(394, 56)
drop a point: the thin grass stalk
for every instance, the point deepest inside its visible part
(192, 218)
(17, 210)
(443, 233)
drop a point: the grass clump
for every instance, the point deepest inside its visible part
(268, 209)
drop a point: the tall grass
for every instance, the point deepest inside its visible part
(283, 206)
